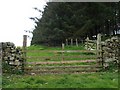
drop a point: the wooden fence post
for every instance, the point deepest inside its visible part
(63, 46)
(99, 48)
(87, 39)
(0, 52)
(76, 42)
(0, 61)
(71, 42)
(119, 55)
(24, 49)
(66, 42)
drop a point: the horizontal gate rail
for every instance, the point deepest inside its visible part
(60, 62)
(64, 67)
(54, 51)
(54, 57)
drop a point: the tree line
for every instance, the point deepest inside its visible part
(61, 20)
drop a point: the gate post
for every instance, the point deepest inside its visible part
(76, 42)
(1, 65)
(87, 39)
(24, 50)
(63, 46)
(71, 42)
(119, 56)
(99, 48)
(66, 42)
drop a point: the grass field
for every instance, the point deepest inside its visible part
(42, 53)
(108, 79)
(92, 80)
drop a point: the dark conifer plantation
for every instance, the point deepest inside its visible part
(61, 20)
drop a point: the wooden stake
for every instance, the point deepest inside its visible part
(24, 41)
(1, 59)
(71, 42)
(87, 39)
(99, 46)
(119, 56)
(76, 42)
(66, 42)
(0, 51)
(24, 49)
(63, 46)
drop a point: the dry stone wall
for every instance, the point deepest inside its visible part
(110, 50)
(12, 58)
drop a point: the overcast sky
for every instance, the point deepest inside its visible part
(14, 19)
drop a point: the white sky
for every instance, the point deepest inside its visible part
(14, 19)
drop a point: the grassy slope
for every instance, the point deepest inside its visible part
(43, 51)
(81, 47)
(93, 80)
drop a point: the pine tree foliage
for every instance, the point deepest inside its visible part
(61, 20)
